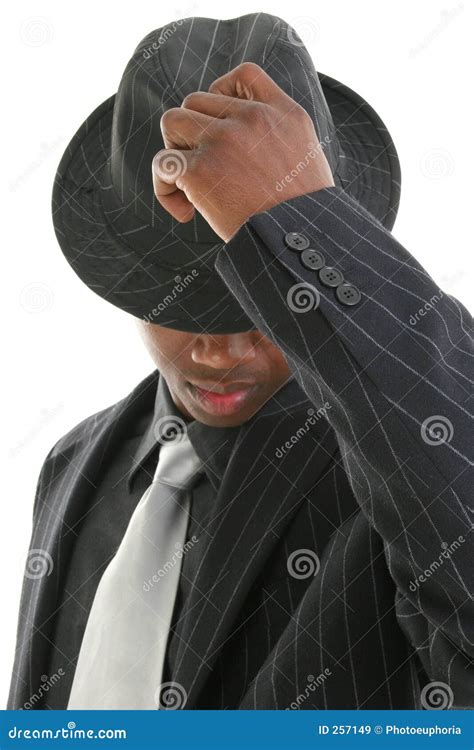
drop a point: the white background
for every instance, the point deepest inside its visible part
(67, 353)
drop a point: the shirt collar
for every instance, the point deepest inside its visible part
(213, 445)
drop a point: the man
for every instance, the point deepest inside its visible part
(278, 516)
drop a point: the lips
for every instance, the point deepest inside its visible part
(223, 388)
(223, 400)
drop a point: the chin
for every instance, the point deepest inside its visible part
(229, 420)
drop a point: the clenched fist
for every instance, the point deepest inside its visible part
(236, 150)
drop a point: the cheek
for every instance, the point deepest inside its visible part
(168, 348)
(277, 359)
(281, 372)
(175, 358)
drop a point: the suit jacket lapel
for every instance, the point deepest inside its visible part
(260, 493)
(67, 480)
(65, 494)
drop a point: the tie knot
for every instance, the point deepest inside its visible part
(178, 462)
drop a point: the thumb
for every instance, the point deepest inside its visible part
(168, 167)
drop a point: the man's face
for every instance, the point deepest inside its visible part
(220, 380)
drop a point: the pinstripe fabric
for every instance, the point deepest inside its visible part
(71, 481)
(385, 379)
(116, 235)
(368, 490)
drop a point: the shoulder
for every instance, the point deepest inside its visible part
(92, 428)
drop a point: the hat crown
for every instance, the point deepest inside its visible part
(114, 232)
(188, 55)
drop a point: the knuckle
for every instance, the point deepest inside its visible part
(225, 133)
(296, 116)
(168, 117)
(190, 99)
(258, 114)
(250, 69)
(302, 114)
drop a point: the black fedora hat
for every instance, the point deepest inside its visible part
(113, 231)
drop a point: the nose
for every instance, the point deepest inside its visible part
(224, 351)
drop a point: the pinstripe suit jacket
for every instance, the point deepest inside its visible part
(375, 495)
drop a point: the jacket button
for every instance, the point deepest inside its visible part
(312, 259)
(330, 276)
(296, 241)
(348, 294)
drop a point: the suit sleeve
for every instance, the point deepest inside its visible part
(390, 352)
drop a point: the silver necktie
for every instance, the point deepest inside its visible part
(122, 653)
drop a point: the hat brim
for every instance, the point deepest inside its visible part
(371, 173)
(138, 283)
